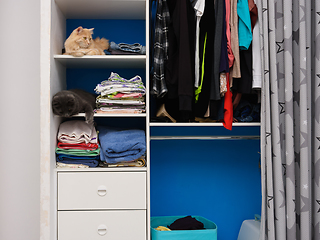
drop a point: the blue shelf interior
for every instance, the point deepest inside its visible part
(216, 179)
(118, 31)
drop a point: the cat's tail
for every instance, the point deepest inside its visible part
(102, 43)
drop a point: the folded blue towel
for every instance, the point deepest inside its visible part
(121, 145)
(91, 161)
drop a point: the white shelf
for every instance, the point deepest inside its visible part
(113, 115)
(154, 124)
(103, 9)
(102, 61)
(100, 169)
(227, 137)
(119, 115)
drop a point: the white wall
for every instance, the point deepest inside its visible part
(19, 119)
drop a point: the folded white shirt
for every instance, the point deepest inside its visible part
(77, 131)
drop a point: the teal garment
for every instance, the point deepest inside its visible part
(78, 152)
(244, 28)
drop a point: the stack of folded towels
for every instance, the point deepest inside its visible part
(121, 96)
(121, 147)
(77, 145)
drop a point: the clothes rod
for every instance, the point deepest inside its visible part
(204, 137)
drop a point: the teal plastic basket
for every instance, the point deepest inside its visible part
(209, 233)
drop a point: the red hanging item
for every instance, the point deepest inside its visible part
(228, 107)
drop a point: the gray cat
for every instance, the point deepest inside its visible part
(67, 103)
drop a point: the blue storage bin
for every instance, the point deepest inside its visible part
(209, 233)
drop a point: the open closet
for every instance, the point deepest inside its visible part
(192, 168)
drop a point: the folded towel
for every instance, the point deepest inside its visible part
(83, 146)
(64, 165)
(140, 162)
(77, 131)
(69, 159)
(78, 152)
(121, 145)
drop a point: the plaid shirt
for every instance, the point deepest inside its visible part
(161, 45)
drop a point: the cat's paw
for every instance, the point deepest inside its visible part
(77, 54)
(93, 52)
(89, 119)
(89, 122)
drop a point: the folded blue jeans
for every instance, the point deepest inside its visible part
(130, 48)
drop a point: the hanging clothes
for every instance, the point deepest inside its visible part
(199, 6)
(224, 57)
(256, 58)
(224, 68)
(197, 56)
(235, 70)
(253, 13)
(256, 52)
(161, 45)
(244, 84)
(207, 33)
(228, 107)
(181, 55)
(215, 79)
(228, 32)
(245, 33)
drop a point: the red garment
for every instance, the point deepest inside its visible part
(81, 146)
(253, 13)
(228, 107)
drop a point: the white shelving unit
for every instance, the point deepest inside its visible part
(63, 223)
(54, 14)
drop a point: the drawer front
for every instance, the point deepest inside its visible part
(102, 225)
(101, 190)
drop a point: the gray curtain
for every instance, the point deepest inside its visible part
(290, 125)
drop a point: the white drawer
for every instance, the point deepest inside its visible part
(101, 190)
(102, 225)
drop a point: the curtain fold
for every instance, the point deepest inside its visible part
(290, 121)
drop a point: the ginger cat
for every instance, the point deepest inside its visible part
(80, 43)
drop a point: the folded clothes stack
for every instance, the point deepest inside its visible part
(140, 162)
(126, 48)
(118, 95)
(77, 145)
(122, 146)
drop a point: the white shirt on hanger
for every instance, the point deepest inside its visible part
(198, 6)
(256, 57)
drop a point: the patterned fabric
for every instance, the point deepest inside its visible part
(223, 83)
(290, 124)
(161, 45)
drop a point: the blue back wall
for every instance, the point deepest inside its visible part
(118, 31)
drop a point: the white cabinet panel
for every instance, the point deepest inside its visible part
(102, 225)
(101, 190)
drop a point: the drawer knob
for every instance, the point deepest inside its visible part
(102, 229)
(102, 190)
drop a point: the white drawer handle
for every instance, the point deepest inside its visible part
(102, 190)
(102, 229)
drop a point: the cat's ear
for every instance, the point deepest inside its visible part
(91, 30)
(79, 29)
